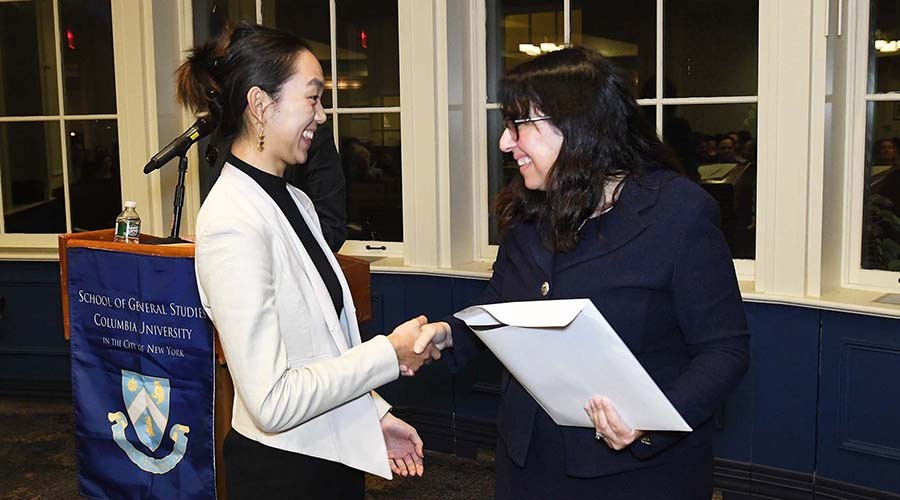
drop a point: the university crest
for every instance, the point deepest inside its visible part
(147, 405)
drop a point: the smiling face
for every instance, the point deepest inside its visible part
(535, 150)
(291, 122)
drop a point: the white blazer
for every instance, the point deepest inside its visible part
(303, 380)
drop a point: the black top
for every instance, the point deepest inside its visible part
(276, 187)
(321, 178)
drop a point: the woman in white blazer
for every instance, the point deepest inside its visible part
(306, 420)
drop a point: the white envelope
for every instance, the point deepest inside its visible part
(564, 352)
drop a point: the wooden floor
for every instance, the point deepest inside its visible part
(37, 461)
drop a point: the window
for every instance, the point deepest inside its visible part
(362, 101)
(705, 104)
(876, 163)
(59, 147)
(358, 41)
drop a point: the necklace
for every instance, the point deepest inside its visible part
(598, 212)
(610, 193)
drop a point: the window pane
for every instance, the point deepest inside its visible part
(311, 23)
(211, 16)
(515, 31)
(95, 195)
(368, 53)
(884, 46)
(87, 51)
(711, 48)
(622, 31)
(881, 203)
(370, 154)
(716, 144)
(32, 178)
(27, 59)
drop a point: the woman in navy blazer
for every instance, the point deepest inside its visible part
(599, 211)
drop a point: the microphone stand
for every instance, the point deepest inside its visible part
(178, 204)
(179, 199)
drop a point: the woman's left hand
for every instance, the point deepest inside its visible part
(609, 425)
(404, 446)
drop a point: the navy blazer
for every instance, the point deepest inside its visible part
(659, 269)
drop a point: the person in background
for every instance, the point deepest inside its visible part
(321, 178)
(727, 152)
(599, 212)
(884, 190)
(306, 422)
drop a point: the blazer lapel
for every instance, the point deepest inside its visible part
(283, 227)
(529, 239)
(621, 224)
(349, 310)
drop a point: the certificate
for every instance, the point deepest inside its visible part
(564, 352)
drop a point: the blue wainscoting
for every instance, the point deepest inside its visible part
(859, 401)
(784, 339)
(784, 347)
(817, 415)
(34, 356)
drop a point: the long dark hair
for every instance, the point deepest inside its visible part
(604, 133)
(216, 76)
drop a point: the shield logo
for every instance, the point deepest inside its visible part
(147, 401)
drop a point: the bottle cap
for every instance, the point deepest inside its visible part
(130, 204)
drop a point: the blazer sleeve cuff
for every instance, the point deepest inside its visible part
(654, 443)
(381, 406)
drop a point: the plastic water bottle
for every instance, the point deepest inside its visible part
(128, 224)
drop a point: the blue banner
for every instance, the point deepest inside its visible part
(142, 376)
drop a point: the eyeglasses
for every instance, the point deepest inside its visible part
(513, 125)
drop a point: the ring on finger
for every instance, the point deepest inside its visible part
(599, 436)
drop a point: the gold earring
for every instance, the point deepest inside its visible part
(261, 138)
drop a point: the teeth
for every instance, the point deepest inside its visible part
(524, 161)
(308, 134)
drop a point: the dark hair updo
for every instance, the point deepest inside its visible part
(216, 76)
(604, 133)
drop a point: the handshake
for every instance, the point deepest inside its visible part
(417, 342)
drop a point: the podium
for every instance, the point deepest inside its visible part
(138, 323)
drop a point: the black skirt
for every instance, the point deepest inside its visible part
(688, 477)
(255, 471)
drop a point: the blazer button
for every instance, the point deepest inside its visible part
(545, 289)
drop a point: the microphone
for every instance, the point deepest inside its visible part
(201, 128)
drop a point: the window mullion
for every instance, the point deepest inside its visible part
(360, 111)
(659, 66)
(2, 215)
(882, 97)
(64, 155)
(332, 16)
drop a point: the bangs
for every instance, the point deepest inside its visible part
(517, 99)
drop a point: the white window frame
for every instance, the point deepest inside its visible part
(745, 268)
(138, 61)
(23, 240)
(366, 248)
(854, 276)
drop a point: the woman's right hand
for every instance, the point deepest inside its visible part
(434, 336)
(403, 339)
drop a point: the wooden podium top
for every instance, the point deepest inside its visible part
(355, 270)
